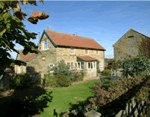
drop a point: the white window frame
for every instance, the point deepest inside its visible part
(91, 65)
(71, 65)
(74, 65)
(87, 51)
(46, 44)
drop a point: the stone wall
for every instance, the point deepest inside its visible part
(42, 62)
(128, 46)
(70, 55)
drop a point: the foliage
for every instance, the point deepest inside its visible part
(61, 69)
(63, 81)
(49, 81)
(117, 95)
(12, 31)
(136, 66)
(78, 75)
(102, 96)
(26, 102)
(106, 82)
(98, 71)
(108, 63)
(106, 72)
(21, 81)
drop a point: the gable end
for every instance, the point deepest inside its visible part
(44, 32)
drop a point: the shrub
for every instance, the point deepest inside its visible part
(63, 81)
(21, 81)
(78, 75)
(136, 66)
(98, 71)
(107, 82)
(61, 69)
(50, 81)
(106, 72)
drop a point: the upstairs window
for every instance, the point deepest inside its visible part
(72, 49)
(86, 52)
(46, 44)
(97, 51)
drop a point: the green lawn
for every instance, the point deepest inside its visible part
(63, 96)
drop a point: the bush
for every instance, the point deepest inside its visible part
(50, 81)
(21, 81)
(106, 72)
(61, 69)
(136, 66)
(98, 71)
(78, 75)
(63, 81)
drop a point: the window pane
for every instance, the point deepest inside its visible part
(71, 65)
(78, 65)
(75, 65)
(82, 65)
(89, 65)
(68, 65)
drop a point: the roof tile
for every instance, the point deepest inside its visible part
(62, 39)
(26, 57)
(87, 58)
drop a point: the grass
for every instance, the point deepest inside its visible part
(63, 96)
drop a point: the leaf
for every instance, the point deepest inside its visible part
(33, 20)
(41, 1)
(2, 5)
(20, 15)
(2, 32)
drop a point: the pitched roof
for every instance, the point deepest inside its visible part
(134, 31)
(26, 57)
(87, 58)
(138, 32)
(62, 39)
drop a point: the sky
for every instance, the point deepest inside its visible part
(104, 21)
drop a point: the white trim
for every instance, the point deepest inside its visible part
(48, 44)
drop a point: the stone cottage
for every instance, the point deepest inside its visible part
(128, 44)
(77, 52)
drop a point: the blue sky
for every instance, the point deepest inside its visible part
(103, 21)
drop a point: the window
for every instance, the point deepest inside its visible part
(72, 50)
(90, 65)
(78, 64)
(75, 65)
(46, 44)
(97, 51)
(86, 52)
(51, 65)
(68, 64)
(82, 65)
(71, 65)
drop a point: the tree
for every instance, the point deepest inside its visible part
(12, 30)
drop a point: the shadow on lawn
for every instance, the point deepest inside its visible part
(110, 109)
(24, 103)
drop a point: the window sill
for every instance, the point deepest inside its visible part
(45, 49)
